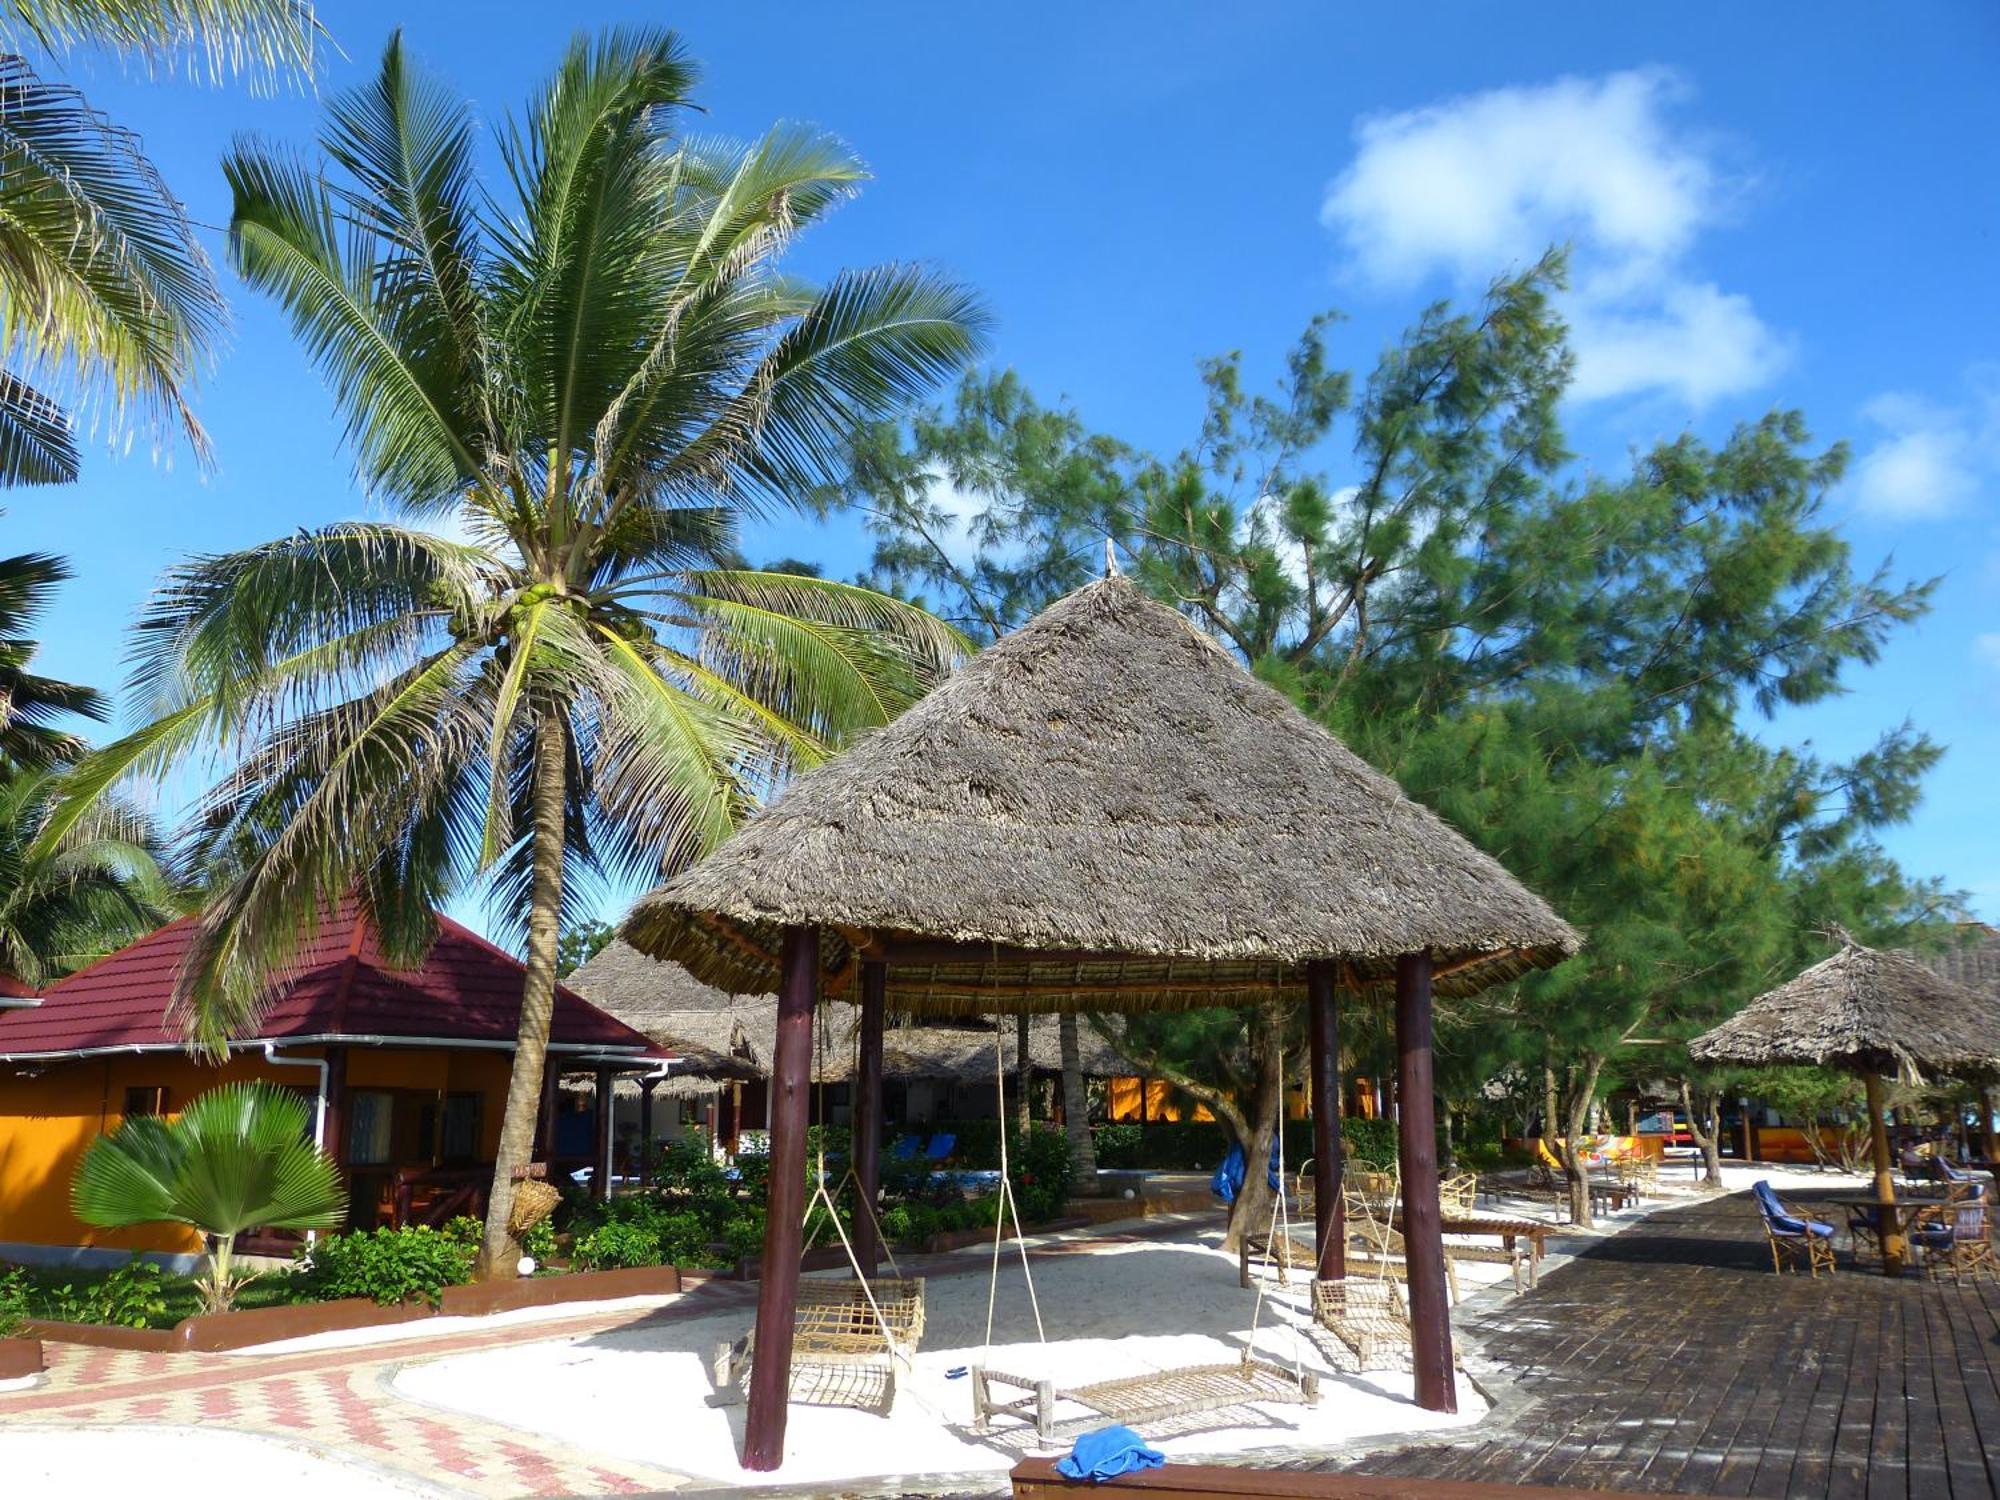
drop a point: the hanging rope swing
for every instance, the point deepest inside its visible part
(1150, 1398)
(848, 1337)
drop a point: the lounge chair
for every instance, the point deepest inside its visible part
(1793, 1236)
(940, 1149)
(1955, 1237)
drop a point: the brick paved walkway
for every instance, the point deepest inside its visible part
(339, 1400)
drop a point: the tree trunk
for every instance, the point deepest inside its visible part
(1076, 1108)
(1024, 1076)
(498, 1253)
(1578, 1175)
(1548, 1102)
(1706, 1128)
(1252, 1209)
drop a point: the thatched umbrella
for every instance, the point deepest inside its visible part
(1872, 1013)
(1103, 811)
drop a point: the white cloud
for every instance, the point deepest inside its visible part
(1477, 185)
(1987, 649)
(1930, 458)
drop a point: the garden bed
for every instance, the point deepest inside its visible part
(216, 1332)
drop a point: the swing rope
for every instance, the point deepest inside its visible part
(1278, 1244)
(1007, 1204)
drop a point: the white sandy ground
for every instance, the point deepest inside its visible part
(1117, 1310)
(53, 1464)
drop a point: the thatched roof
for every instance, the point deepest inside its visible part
(1864, 1010)
(1107, 789)
(718, 1035)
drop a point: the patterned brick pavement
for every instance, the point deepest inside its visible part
(341, 1402)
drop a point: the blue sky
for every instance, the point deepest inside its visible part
(1779, 205)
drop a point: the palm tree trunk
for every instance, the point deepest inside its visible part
(1076, 1107)
(498, 1252)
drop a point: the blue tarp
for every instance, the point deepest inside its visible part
(1228, 1179)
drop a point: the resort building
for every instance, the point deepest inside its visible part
(407, 1069)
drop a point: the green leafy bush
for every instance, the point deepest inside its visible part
(13, 1302)
(743, 1236)
(385, 1265)
(615, 1245)
(132, 1296)
(1373, 1142)
(540, 1242)
(1118, 1145)
(1041, 1168)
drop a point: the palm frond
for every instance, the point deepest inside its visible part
(103, 286)
(266, 40)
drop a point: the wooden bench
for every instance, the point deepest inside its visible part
(1037, 1479)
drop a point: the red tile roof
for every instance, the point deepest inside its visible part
(467, 990)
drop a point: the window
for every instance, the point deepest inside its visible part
(150, 1100)
(371, 1114)
(459, 1139)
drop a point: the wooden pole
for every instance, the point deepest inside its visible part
(335, 1142)
(1329, 1222)
(551, 1097)
(1890, 1223)
(868, 1117)
(1423, 1238)
(1989, 1146)
(600, 1177)
(784, 1229)
(646, 1087)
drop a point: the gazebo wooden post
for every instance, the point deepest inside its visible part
(1890, 1223)
(1329, 1222)
(867, 1146)
(646, 1087)
(1423, 1239)
(600, 1172)
(778, 1288)
(1989, 1145)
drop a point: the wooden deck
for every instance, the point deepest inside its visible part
(1671, 1359)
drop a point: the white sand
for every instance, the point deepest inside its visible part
(1118, 1310)
(42, 1463)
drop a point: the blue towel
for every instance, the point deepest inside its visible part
(1228, 1179)
(1107, 1453)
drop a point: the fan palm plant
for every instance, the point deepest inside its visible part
(238, 1157)
(589, 384)
(104, 290)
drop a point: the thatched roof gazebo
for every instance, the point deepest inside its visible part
(1102, 811)
(1870, 1012)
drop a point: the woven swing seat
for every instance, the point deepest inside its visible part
(839, 1354)
(1154, 1397)
(1365, 1316)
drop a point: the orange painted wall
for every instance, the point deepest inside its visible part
(48, 1121)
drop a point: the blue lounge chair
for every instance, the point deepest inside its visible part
(941, 1147)
(905, 1148)
(1793, 1236)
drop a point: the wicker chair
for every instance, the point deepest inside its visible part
(1955, 1238)
(1794, 1238)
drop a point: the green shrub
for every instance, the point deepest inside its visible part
(1118, 1145)
(1373, 1142)
(13, 1302)
(1041, 1169)
(743, 1236)
(388, 1266)
(615, 1245)
(132, 1296)
(540, 1242)
(463, 1230)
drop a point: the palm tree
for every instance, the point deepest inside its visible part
(238, 1157)
(32, 706)
(592, 383)
(64, 904)
(105, 293)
